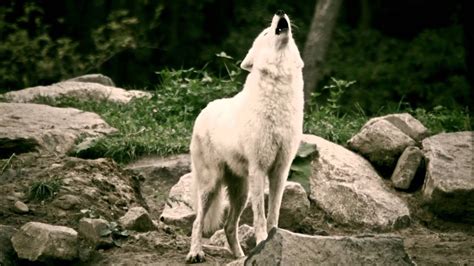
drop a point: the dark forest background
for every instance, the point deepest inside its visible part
(415, 52)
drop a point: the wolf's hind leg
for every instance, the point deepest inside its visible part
(237, 190)
(208, 182)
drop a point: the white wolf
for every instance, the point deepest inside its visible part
(240, 141)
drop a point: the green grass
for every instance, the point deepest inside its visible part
(163, 124)
(44, 189)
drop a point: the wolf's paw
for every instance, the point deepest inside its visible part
(195, 257)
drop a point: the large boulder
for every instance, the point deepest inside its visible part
(33, 127)
(286, 248)
(449, 181)
(41, 242)
(138, 219)
(179, 206)
(383, 139)
(80, 88)
(406, 123)
(381, 142)
(347, 187)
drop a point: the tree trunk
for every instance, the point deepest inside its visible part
(317, 43)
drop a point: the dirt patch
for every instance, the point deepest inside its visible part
(102, 188)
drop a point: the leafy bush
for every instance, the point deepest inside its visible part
(426, 71)
(30, 55)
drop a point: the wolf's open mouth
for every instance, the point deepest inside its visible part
(282, 26)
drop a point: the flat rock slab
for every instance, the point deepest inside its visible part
(41, 242)
(347, 187)
(171, 167)
(28, 127)
(286, 248)
(449, 181)
(95, 78)
(86, 91)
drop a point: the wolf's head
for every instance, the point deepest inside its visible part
(272, 45)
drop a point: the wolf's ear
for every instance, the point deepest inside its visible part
(247, 63)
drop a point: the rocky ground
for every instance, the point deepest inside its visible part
(354, 210)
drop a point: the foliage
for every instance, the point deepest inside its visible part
(30, 54)
(442, 119)
(116, 231)
(300, 169)
(44, 189)
(327, 120)
(426, 71)
(7, 164)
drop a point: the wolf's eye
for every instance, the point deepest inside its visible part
(265, 34)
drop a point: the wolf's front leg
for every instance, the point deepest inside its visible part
(257, 196)
(277, 180)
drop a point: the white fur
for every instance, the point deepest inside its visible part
(238, 142)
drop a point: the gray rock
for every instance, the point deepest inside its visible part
(179, 206)
(381, 142)
(20, 207)
(95, 78)
(33, 127)
(160, 174)
(405, 123)
(178, 210)
(7, 253)
(86, 91)
(286, 248)
(348, 188)
(406, 168)
(137, 219)
(294, 206)
(40, 242)
(246, 238)
(91, 230)
(449, 181)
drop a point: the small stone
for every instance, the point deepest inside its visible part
(20, 207)
(137, 219)
(406, 168)
(92, 230)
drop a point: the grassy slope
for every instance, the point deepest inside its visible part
(162, 125)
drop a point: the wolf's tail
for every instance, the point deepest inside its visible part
(213, 218)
